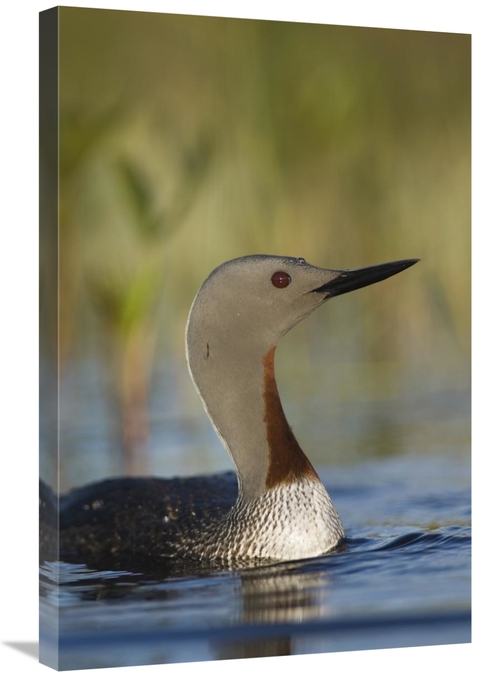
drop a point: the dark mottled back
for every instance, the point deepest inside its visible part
(133, 523)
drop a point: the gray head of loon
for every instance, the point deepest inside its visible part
(238, 316)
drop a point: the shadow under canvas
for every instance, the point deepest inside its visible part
(28, 648)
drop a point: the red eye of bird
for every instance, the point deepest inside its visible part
(281, 279)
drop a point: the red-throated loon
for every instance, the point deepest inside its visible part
(277, 507)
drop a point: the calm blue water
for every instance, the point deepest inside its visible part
(404, 580)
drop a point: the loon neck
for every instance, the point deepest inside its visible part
(242, 400)
(286, 460)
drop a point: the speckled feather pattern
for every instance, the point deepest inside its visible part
(143, 523)
(290, 521)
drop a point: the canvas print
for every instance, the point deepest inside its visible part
(254, 338)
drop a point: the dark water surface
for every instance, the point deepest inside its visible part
(403, 580)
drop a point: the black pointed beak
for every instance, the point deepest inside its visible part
(349, 280)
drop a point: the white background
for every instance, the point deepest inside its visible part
(19, 329)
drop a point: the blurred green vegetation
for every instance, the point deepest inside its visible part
(186, 141)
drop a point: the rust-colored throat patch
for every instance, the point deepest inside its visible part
(287, 461)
